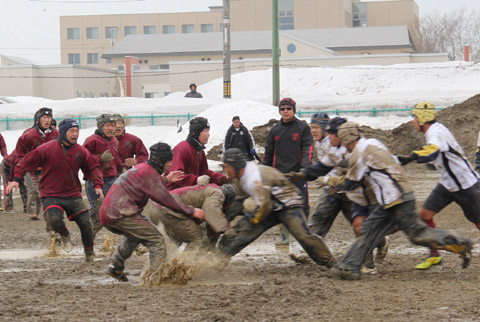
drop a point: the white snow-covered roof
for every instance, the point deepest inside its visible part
(259, 41)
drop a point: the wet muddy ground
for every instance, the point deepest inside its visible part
(260, 284)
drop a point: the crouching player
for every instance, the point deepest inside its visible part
(121, 211)
(276, 200)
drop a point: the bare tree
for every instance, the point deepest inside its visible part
(449, 33)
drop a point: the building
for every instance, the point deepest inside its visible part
(18, 77)
(84, 39)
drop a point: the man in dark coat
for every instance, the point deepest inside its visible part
(238, 136)
(193, 92)
(289, 147)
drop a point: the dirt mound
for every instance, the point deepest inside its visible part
(259, 134)
(462, 119)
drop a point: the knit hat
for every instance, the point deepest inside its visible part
(64, 126)
(349, 132)
(104, 119)
(197, 125)
(334, 124)
(160, 153)
(118, 118)
(288, 102)
(229, 193)
(41, 112)
(320, 119)
(235, 158)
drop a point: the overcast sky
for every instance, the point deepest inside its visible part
(30, 28)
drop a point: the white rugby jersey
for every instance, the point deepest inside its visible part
(370, 160)
(456, 172)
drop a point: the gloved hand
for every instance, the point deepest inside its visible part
(255, 213)
(203, 180)
(330, 181)
(252, 151)
(406, 159)
(106, 156)
(322, 181)
(296, 176)
(230, 233)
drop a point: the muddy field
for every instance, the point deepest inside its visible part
(260, 284)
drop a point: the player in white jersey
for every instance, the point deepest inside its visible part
(373, 166)
(458, 180)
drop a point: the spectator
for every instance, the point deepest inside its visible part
(193, 92)
(288, 148)
(238, 136)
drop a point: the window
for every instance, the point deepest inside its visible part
(92, 58)
(74, 59)
(359, 11)
(130, 30)
(92, 33)
(159, 66)
(147, 30)
(207, 27)
(73, 33)
(111, 32)
(108, 61)
(187, 29)
(168, 29)
(152, 95)
(285, 14)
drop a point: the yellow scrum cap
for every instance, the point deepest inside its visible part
(424, 111)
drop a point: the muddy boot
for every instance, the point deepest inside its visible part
(382, 251)
(284, 237)
(89, 256)
(116, 274)
(67, 243)
(345, 272)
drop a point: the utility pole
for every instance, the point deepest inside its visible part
(227, 84)
(275, 54)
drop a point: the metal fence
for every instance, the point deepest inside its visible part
(151, 120)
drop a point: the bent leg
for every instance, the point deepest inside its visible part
(295, 221)
(245, 233)
(324, 214)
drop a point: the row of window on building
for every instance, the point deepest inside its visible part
(93, 33)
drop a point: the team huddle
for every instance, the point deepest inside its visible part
(132, 191)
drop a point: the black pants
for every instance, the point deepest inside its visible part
(76, 211)
(404, 216)
(294, 220)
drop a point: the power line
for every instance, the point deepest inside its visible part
(87, 1)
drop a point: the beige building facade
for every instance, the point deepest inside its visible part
(84, 39)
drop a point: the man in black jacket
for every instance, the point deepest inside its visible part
(238, 136)
(193, 92)
(288, 148)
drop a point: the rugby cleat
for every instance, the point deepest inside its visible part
(429, 262)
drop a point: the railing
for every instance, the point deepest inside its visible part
(373, 111)
(151, 118)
